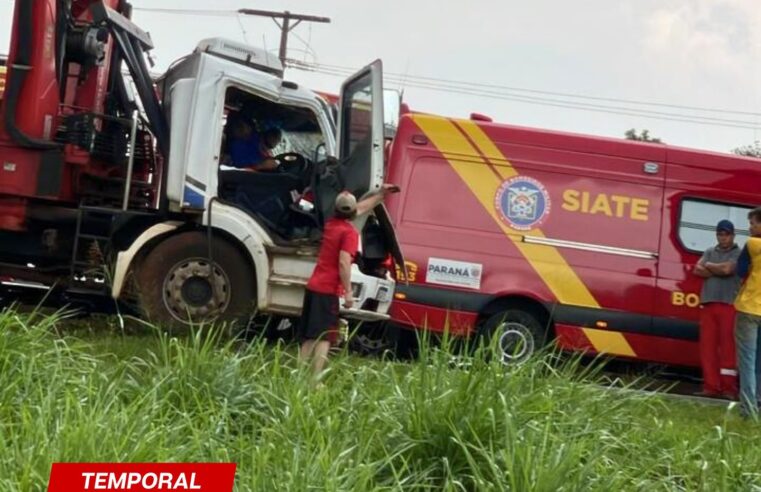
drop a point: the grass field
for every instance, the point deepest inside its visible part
(98, 395)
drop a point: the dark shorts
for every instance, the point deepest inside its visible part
(319, 318)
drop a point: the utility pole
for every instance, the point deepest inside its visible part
(286, 25)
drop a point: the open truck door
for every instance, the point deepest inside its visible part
(361, 144)
(360, 132)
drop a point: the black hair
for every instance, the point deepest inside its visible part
(236, 120)
(755, 214)
(272, 132)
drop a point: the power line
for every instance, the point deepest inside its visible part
(242, 29)
(307, 45)
(677, 117)
(582, 107)
(285, 25)
(508, 92)
(467, 84)
(205, 13)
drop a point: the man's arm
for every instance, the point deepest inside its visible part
(724, 269)
(268, 164)
(743, 263)
(369, 203)
(344, 270)
(246, 158)
(700, 269)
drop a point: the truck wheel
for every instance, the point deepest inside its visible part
(178, 285)
(513, 335)
(371, 339)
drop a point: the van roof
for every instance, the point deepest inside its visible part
(500, 132)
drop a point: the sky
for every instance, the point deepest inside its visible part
(516, 61)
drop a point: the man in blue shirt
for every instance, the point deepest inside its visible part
(250, 150)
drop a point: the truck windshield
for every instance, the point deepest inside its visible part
(301, 142)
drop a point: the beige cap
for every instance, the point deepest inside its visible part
(346, 203)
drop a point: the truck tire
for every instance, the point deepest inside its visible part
(513, 335)
(177, 287)
(371, 339)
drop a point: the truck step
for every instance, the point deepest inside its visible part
(100, 210)
(287, 281)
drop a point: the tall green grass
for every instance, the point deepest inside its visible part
(432, 424)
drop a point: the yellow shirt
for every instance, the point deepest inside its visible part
(749, 298)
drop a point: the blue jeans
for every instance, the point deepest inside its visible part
(748, 344)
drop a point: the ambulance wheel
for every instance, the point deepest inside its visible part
(513, 335)
(178, 286)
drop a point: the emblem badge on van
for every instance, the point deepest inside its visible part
(522, 202)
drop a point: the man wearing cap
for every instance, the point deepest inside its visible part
(331, 278)
(748, 322)
(717, 315)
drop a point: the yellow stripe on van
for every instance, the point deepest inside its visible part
(488, 149)
(547, 261)
(609, 342)
(3, 71)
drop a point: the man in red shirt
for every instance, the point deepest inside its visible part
(331, 278)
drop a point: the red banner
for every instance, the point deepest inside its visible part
(141, 477)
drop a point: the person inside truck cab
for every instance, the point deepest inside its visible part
(249, 149)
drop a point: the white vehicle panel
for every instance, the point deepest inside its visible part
(179, 118)
(240, 225)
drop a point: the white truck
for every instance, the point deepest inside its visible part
(255, 265)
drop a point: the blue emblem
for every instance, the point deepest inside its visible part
(522, 202)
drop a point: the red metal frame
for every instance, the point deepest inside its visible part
(41, 105)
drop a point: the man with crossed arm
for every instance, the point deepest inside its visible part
(717, 314)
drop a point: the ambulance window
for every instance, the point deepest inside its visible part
(698, 219)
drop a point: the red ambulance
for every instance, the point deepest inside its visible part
(525, 236)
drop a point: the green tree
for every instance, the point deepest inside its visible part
(643, 136)
(752, 150)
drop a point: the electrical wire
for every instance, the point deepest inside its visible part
(411, 81)
(524, 95)
(307, 46)
(242, 29)
(552, 93)
(469, 90)
(205, 13)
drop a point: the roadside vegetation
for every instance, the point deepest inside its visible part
(437, 423)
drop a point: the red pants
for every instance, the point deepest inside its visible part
(717, 348)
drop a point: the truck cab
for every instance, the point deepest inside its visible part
(276, 216)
